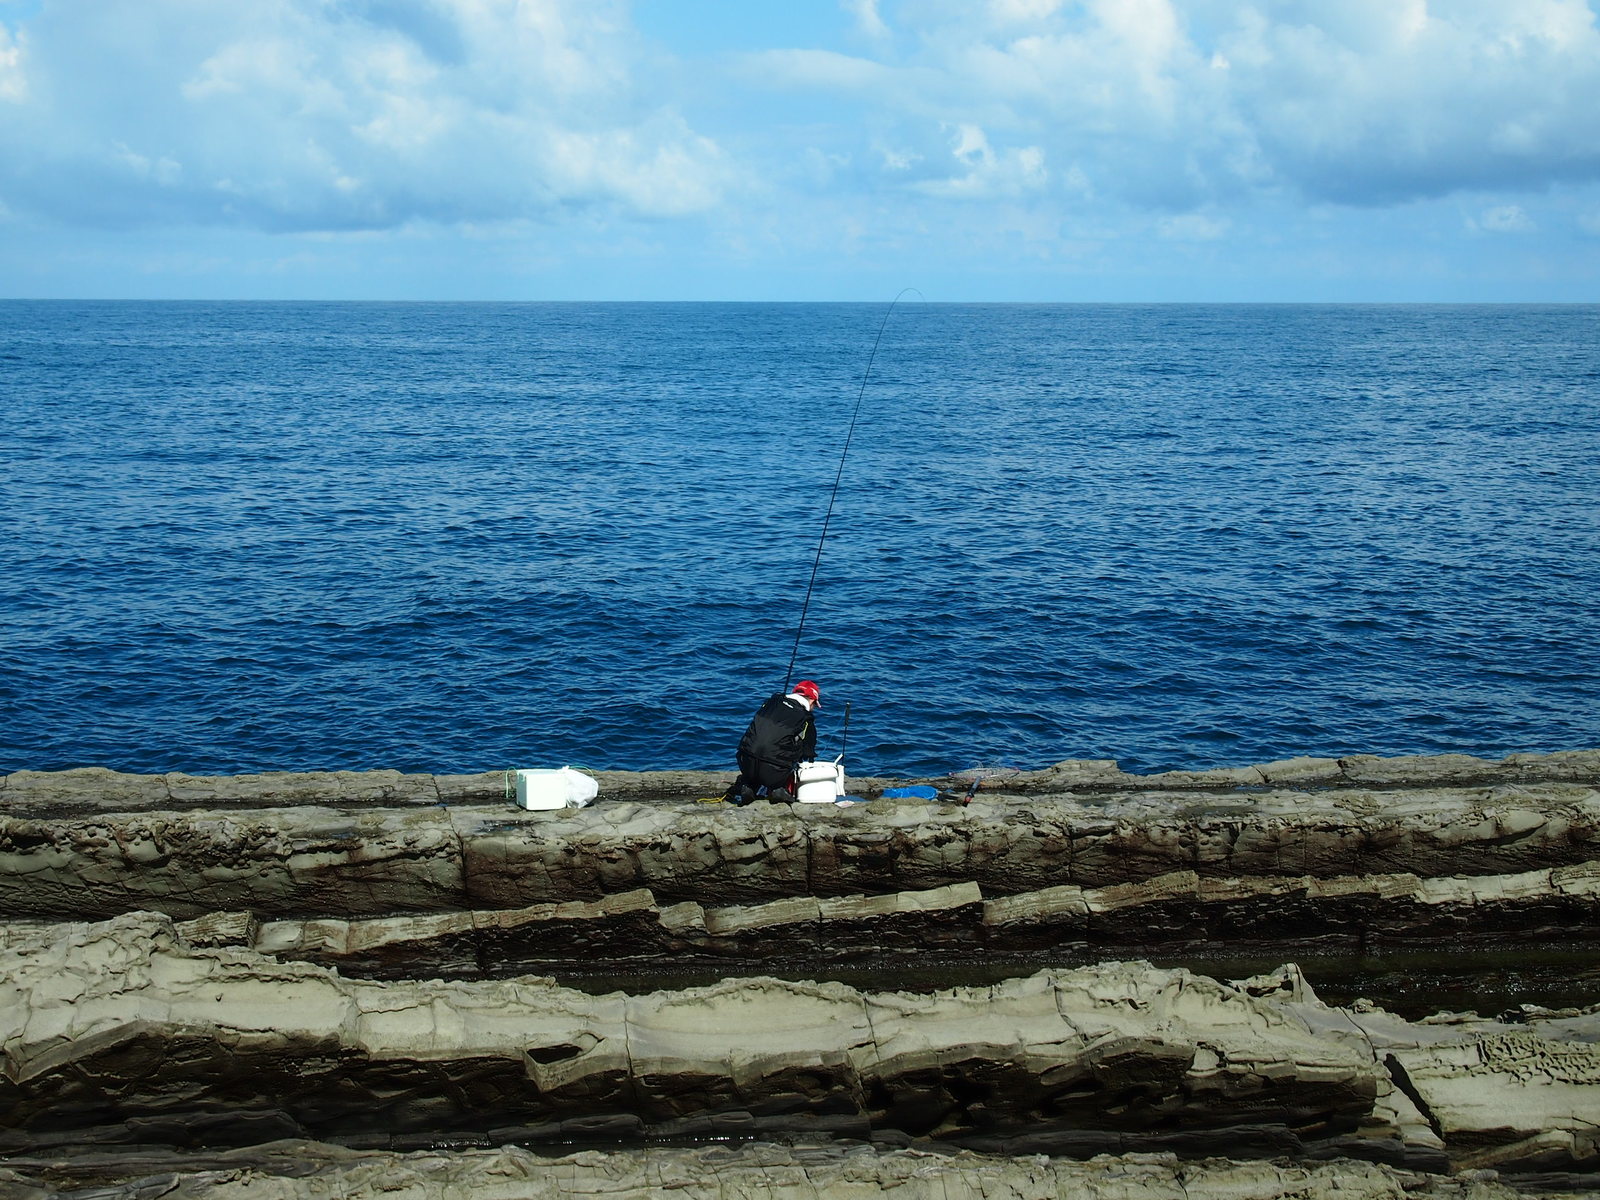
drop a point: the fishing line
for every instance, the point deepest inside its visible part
(828, 517)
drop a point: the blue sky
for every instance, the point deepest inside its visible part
(1406, 150)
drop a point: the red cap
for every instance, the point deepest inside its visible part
(810, 691)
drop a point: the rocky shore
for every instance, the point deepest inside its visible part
(364, 983)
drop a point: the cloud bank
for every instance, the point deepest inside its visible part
(1174, 105)
(365, 114)
(1069, 132)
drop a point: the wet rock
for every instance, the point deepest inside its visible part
(289, 788)
(82, 788)
(89, 789)
(1429, 769)
(1302, 772)
(1067, 775)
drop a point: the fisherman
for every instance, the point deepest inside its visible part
(781, 734)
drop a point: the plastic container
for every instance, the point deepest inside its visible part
(547, 788)
(818, 782)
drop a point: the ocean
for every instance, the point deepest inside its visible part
(445, 538)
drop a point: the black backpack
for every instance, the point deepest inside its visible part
(776, 733)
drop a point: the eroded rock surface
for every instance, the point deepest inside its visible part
(123, 1031)
(354, 853)
(84, 789)
(312, 1171)
(122, 1020)
(350, 954)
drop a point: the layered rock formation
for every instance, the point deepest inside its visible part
(364, 960)
(1166, 915)
(297, 1170)
(1116, 1050)
(354, 854)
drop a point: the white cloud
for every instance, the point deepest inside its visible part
(1372, 102)
(366, 114)
(899, 160)
(1174, 104)
(1171, 116)
(659, 176)
(1016, 11)
(12, 84)
(868, 19)
(981, 173)
(1192, 227)
(164, 171)
(1505, 218)
(822, 69)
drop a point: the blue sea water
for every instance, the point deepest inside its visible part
(456, 537)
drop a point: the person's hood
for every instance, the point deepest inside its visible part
(800, 700)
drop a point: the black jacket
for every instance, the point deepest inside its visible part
(781, 734)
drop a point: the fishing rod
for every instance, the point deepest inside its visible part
(828, 517)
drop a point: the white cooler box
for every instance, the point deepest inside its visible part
(818, 782)
(560, 787)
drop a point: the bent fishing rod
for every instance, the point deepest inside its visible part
(827, 519)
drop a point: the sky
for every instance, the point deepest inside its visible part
(977, 150)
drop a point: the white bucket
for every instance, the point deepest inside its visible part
(818, 782)
(545, 788)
